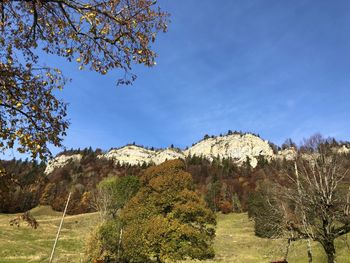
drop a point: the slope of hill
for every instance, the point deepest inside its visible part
(235, 241)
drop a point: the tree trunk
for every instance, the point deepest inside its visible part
(330, 250)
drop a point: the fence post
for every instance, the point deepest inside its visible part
(59, 228)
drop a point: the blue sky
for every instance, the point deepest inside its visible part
(274, 67)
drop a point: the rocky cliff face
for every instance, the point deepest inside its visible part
(235, 146)
(60, 161)
(133, 155)
(167, 154)
(343, 149)
(289, 154)
(136, 155)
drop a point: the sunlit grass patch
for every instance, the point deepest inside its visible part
(235, 241)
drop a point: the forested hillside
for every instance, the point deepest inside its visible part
(225, 184)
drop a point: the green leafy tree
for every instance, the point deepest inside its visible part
(99, 35)
(213, 194)
(167, 220)
(126, 188)
(237, 207)
(267, 220)
(113, 193)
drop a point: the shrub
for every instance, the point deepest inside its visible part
(225, 207)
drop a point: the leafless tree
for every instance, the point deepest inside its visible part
(317, 199)
(101, 201)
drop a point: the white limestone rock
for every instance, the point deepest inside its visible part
(167, 154)
(344, 150)
(136, 155)
(235, 146)
(60, 161)
(289, 154)
(130, 154)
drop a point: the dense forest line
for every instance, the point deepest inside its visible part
(24, 185)
(225, 186)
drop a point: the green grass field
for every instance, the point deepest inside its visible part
(235, 241)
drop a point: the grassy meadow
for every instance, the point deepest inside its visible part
(235, 241)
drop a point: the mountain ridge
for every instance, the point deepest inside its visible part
(240, 147)
(237, 146)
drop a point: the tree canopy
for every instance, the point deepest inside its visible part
(167, 220)
(100, 35)
(114, 192)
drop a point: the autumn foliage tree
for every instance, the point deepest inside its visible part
(31, 116)
(100, 35)
(167, 220)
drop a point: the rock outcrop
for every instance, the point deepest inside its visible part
(61, 161)
(238, 147)
(167, 154)
(137, 155)
(235, 146)
(289, 154)
(133, 155)
(344, 149)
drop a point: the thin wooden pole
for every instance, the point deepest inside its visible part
(309, 251)
(287, 249)
(120, 241)
(59, 228)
